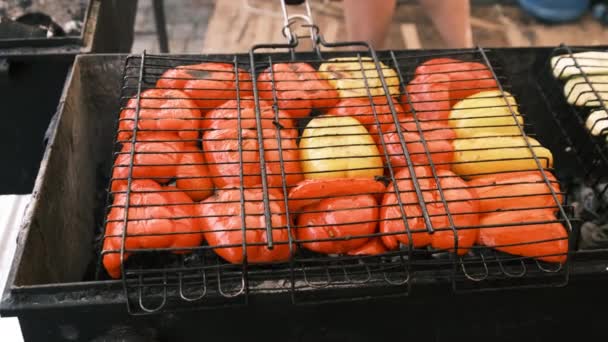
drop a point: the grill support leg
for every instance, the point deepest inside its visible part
(161, 26)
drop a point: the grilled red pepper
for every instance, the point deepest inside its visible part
(465, 78)
(373, 247)
(332, 213)
(462, 206)
(311, 191)
(297, 87)
(525, 233)
(516, 190)
(163, 157)
(438, 141)
(159, 217)
(361, 109)
(209, 84)
(225, 153)
(222, 220)
(428, 96)
(227, 116)
(161, 110)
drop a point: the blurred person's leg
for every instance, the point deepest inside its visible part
(368, 20)
(452, 19)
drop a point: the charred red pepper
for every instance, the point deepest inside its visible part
(332, 213)
(227, 116)
(225, 153)
(428, 96)
(462, 206)
(362, 110)
(516, 190)
(159, 217)
(438, 140)
(532, 233)
(298, 88)
(222, 220)
(373, 247)
(208, 84)
(161, 110)
(163, 157)
(464, 78)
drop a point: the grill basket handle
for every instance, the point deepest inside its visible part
(290, 20)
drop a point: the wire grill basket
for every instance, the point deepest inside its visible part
(575, 77)
(328, 175)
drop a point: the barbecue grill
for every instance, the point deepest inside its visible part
(39, 65)
(59, 264)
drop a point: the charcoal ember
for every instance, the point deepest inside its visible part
(73, 27)
(593, 236)
(585, 202)
(602, 189)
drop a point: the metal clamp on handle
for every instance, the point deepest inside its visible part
(289, 20)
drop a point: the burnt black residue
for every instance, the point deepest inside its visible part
(69, 15)
(199, 74)
(42, 21)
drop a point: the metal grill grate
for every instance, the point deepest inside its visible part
(265, 229)
(573, 106)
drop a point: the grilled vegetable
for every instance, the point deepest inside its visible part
(428, 96)
(297, 87)
(225, 154)
(161, 110)
(337, 218)
(208, 84)
(311, 191)
(462, 206)
(465, 78)
(335, 147)
(222, 223)
(159, 217)
(516, 190)
(370, 117)
(438, 141)
(227, 116)
(580, 90)
(589, 62)
(373, 247)
(354, 78)
(163, 157)
(478, 155)
(488, 112)
(525, 233)
(331, 213)
(597, 122)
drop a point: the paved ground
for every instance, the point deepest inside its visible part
(217, 26)
(186, 25)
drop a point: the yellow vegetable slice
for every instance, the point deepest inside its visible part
(337, 147)
(579, 92)
(346, 75)
(487, 113)
(597, 122)
(479, 155)
(590, 62)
